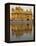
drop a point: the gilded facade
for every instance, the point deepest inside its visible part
(20, 14)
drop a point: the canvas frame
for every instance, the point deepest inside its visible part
(7, 23)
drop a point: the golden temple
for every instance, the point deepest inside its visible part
(20, 14)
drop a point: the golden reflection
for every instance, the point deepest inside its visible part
(20, 29)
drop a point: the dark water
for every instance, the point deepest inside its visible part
(24, 36)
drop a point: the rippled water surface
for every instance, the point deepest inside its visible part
(25, 35)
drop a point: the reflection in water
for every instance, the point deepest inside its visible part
(20, 29)
(21, 32)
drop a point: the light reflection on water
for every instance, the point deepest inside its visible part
(23, 35)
